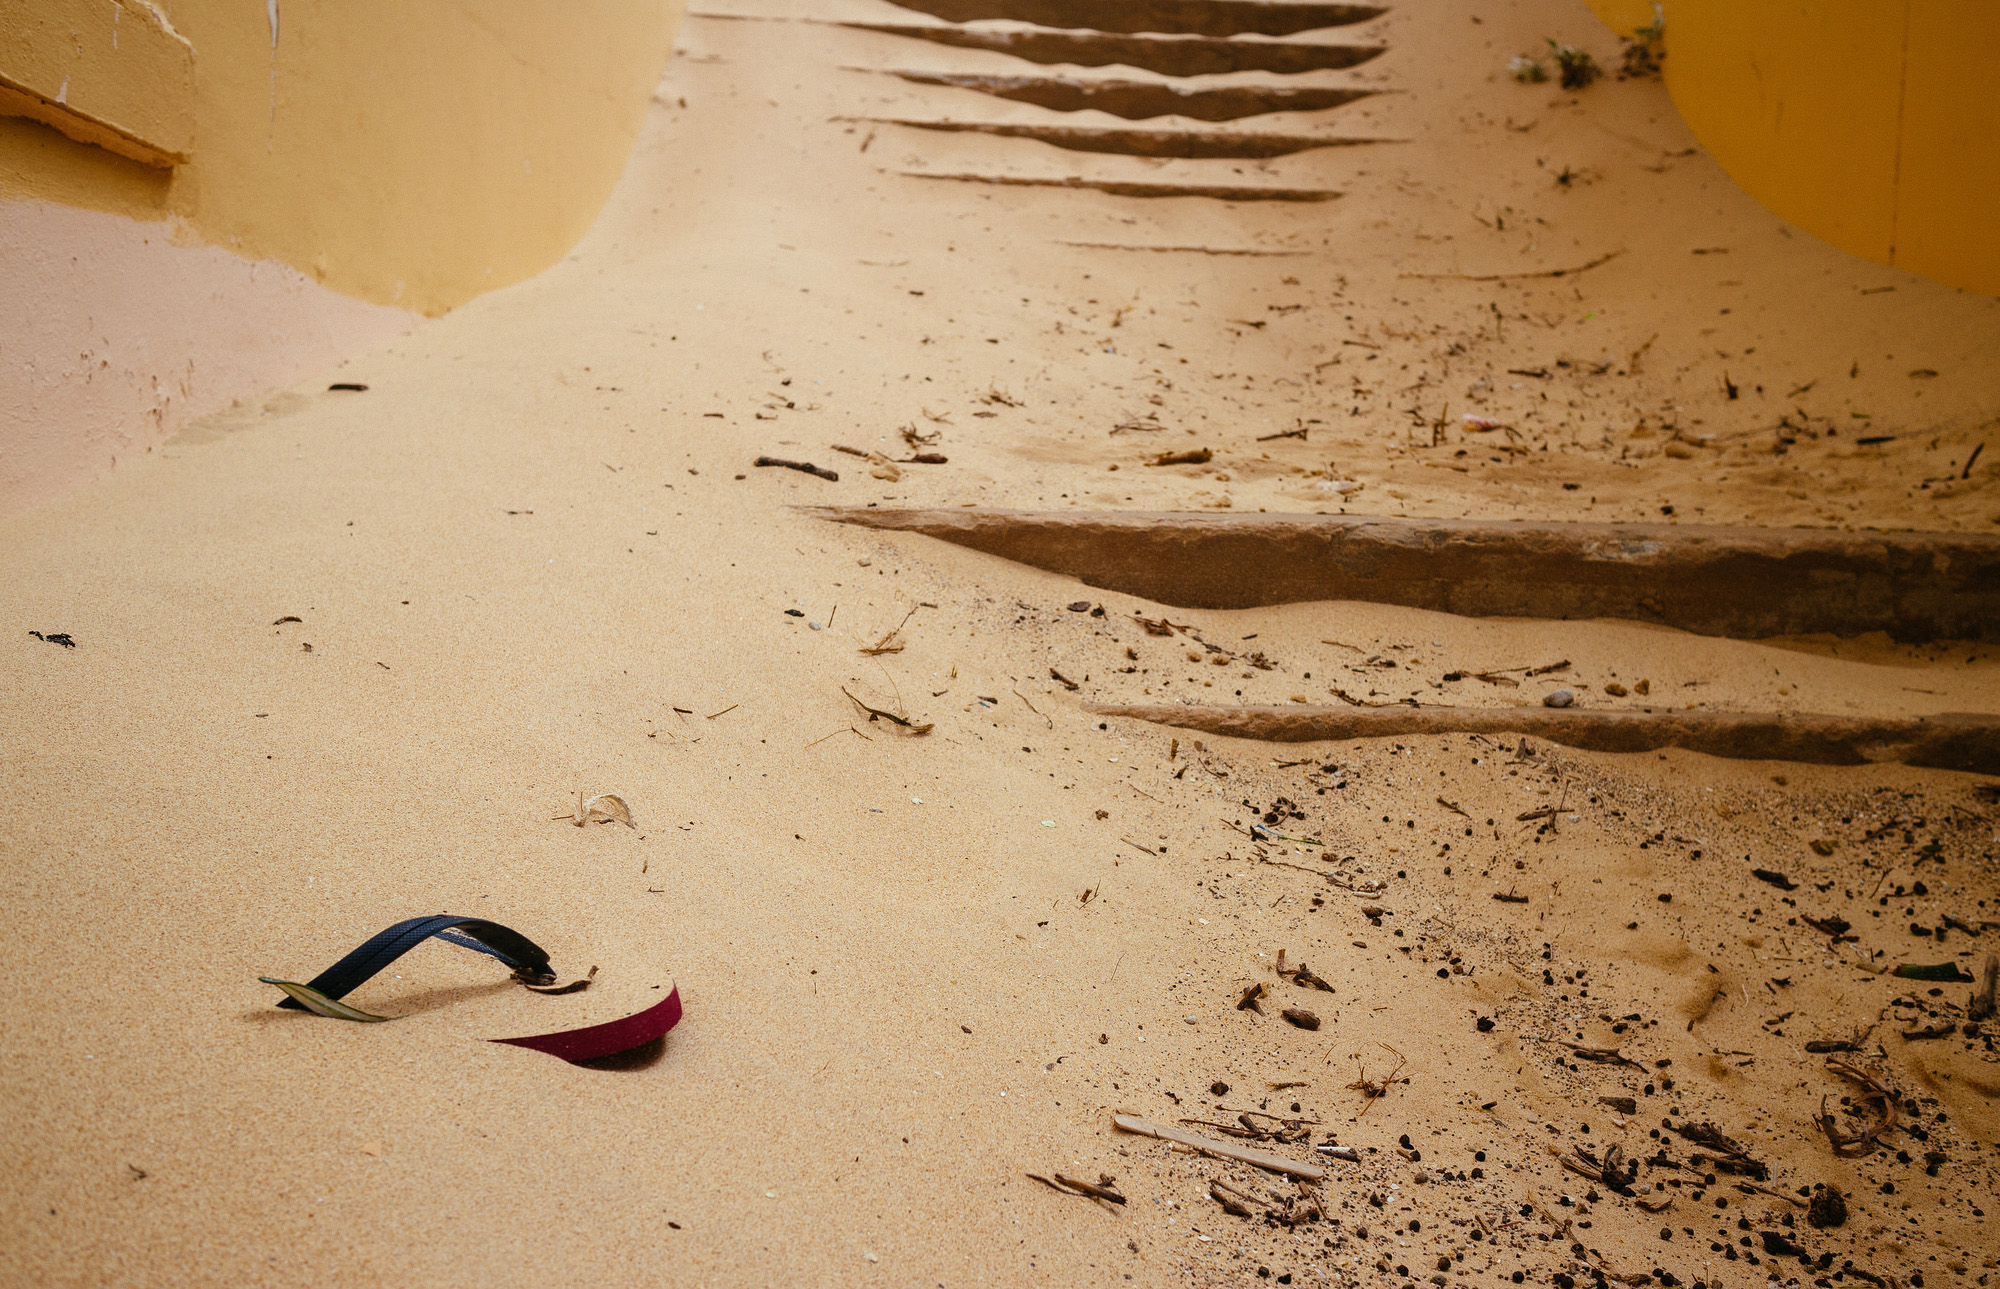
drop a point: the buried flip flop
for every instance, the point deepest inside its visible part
(529, 960)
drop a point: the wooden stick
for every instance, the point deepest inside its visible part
(1092, 1188)
(1220, 1149)
(1193, 250)
(1503, 277)
(805, 466)
(1766, 1190)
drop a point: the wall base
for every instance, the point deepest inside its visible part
(123, 336)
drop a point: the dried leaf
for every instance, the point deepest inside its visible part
(1982, 1004)
(534, 985)
(608, 806)
(1946, 971)
(1230, 1204)
(1303, 975)
(319, 1004)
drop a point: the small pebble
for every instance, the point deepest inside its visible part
(1560, 698)
(1218, 1088)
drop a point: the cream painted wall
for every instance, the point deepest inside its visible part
(201, 199)
(1866, 122)
(414, 154)
(409, 154)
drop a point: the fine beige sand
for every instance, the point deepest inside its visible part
(534, 558)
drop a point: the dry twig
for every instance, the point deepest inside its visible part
(1100, 1191)
(1850, 1146)
(888, 643)
(876, 713)
(1503, 277)
(1372, 1090)
(1220, 1149)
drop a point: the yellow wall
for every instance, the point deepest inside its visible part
(408, 153)
(113, 73)
(1870, 123)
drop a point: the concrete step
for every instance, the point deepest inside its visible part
(1167, 55)
(1954, 741)
(1142, 100)
(1138, 188)
(1117, 141)
(1748, 583)
(1169, 17)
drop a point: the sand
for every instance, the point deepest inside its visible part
(533, 558)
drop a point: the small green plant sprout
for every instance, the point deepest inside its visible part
(1527, 70)
(1645, 47)
(1575, 67)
